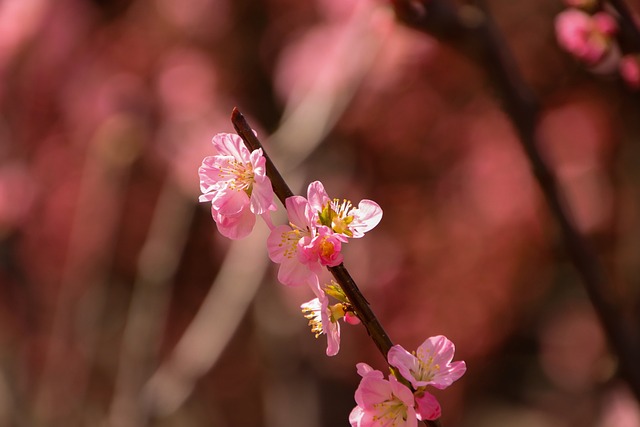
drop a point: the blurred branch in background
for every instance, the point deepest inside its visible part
(81, 296)
(522, 107)
(145, 324)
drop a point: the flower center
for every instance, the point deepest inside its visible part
(239, 175)
(315, 319)
(337, 216)
(426, 368)
(393, 410)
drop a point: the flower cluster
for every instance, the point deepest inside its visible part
(590, 35)
(318, 226)
(234, 180)
(390, 402)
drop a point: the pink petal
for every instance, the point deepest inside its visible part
(298, 211)
(371, 391)
(356, 417)
(401, 391)
(441, 349)
(406, 363)
(231, 145)
(235, 227)
(292, 273)
(317, 195)
(366, 370)
(333, 338)
(262, 198)
(427, 406)
(367, 216)
(230, 202)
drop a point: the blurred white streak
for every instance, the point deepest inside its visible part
(214, 325)
(112, 150)
(311, 112)
(308, 118)
(157, 265)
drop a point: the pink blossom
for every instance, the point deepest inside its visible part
(342, 217)
(286, 245)
(630, 70)
(382, 402)
(325, 247)
(427, 406)
(323, 322)
(588, 38)
(431, 365)
(234, 180)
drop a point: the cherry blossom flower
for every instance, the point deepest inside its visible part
(589, 38)
(382, 402)
(430, 365)
(324, 318)
(427, 406)
(341, 216)
(325, 246)
(286, 245)
(324, 321)
(234, 180)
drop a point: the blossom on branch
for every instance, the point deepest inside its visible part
(341, 216)
(323, 321)
(317, 229)
(590, 38)
(288, 245)
(324, 318)
(430, 365)
(234, 180)
(382, 402)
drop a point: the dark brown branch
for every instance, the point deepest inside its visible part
(340, 272)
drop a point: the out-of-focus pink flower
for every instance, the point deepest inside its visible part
(234, 180)
(342, 217)
(431, 365)
(286, 245)
(630, 70)
(323, 321)
(589, 38)
(382, 402)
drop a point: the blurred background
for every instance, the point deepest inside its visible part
(122, 306)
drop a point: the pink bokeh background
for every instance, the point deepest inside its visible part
(120, 304)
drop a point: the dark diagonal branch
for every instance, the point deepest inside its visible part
(485, 44)
(340, 272)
